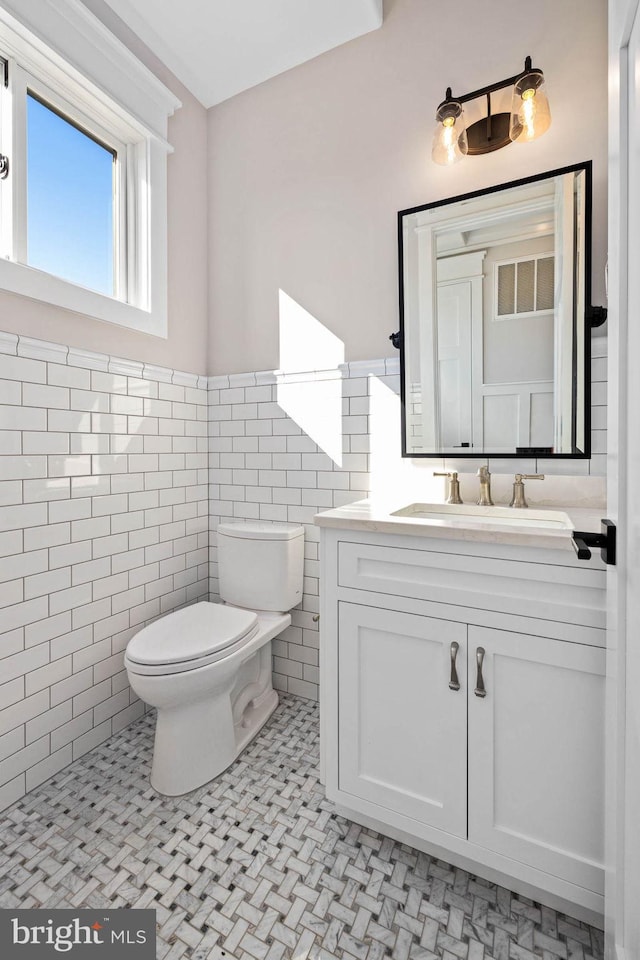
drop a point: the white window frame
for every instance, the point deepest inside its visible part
(21, 84)
(69, 60)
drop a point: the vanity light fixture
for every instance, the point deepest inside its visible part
(529, 118)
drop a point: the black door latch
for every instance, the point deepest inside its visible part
(605, 540)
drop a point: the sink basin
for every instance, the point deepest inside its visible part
(464, 514)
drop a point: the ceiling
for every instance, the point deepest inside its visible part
(218, 48)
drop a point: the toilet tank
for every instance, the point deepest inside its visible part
(260, 564)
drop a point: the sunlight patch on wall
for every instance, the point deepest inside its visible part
(313, 402)
(393, 476)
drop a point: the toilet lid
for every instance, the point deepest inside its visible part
(191, 633)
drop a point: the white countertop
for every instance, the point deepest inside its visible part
(375, 516)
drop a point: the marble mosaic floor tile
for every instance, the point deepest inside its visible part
(257, 865)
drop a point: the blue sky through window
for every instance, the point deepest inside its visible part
(69, 201)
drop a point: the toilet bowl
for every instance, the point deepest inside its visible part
(207, 667)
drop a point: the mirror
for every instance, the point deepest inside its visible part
(494, 336)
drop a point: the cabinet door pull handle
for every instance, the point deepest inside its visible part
(454, 683)
(479, 690)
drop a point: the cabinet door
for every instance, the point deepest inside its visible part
(536, 753)
(402, 729)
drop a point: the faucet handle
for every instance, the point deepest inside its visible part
(518, 499)
(453, 485)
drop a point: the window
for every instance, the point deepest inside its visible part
(71, 187)
(83, 201)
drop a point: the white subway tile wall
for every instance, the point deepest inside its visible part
(263, 465)
(103, 527)
(110, 496)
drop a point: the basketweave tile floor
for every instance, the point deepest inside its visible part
(256, 865)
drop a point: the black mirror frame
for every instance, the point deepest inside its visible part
(594, 317)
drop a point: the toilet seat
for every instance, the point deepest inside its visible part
(191, 638)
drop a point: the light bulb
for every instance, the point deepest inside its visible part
(530, 112)
(450, 135)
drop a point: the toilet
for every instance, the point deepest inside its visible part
(207, 667)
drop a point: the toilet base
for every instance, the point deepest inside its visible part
(256, 715)
(187, 753)
(197, 741)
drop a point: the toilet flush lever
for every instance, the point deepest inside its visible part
(454, 683)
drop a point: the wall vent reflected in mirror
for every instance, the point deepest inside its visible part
(494, 336)
(525, 286)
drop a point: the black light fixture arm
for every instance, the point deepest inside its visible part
(492, 87)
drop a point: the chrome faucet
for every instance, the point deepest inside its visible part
(453, 486)
(518, 499)
(484, 499)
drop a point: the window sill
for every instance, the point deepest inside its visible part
(38, 285)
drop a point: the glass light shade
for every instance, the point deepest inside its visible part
(450, 135)
(530, 111)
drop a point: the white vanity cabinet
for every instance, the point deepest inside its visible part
(509, 784)
(402, 732)
(536, 749)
